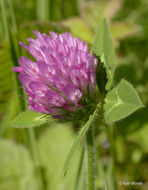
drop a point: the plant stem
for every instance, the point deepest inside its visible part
(90, 159)
(112, 153)
(32, 145)
(34, 154)
(80, 170)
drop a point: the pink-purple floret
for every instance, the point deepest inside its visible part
(64, 71)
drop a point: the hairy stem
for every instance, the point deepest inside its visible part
(90, 160)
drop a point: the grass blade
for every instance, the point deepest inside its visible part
(13, 16)
(4, 19)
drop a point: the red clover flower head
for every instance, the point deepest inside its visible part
(63, 73)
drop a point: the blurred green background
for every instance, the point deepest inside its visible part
(122, 149)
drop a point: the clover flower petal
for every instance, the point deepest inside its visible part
(64, 72)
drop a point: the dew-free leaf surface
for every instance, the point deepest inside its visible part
(29, 119)
(16, 167)
(103, 48)
(121, 102)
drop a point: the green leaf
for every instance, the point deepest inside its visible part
(11, 112)
(29, 119)
(121, 102)
(94, 11)
(103, 48)
(121, 30)
(82, 30)
(53, 145)
(16, 166)
(79, 137)
(139, 137)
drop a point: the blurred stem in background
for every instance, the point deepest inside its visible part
(90, 159)
(56, 10)
(112, 176)
(13, 16)
(43, 10)
(4, 19)
(30, 135)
